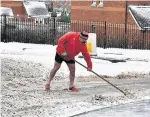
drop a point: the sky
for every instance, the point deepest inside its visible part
(136, 61)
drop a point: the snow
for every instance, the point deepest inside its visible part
(138, 61)
(25, 66)
(142, 10)
(35, 8)
(141, 15)
(6, 11)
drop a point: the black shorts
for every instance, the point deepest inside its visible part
(59, 59)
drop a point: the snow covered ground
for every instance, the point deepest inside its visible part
(137, 60)
(23, 75)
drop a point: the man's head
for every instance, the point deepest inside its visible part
(83, 36)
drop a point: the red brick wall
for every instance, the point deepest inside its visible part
(113, 11)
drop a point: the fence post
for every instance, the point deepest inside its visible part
(105, 38)
(54, 31)
(54, 15)
(126, 39)
(143, 44)
(126, 20)
(93, 28)
(4, 38)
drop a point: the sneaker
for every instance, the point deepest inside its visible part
(47, 87)
(73, 89)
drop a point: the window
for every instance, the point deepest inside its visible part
(100, 5)
(93, 4)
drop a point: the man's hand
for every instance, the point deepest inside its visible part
(64, 54)
(89, 69)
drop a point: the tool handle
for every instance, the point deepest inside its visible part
(101, 78)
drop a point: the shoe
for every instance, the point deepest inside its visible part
(47, 87)
(73, 89)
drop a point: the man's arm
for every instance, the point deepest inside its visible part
(61, 41)
(87, 57)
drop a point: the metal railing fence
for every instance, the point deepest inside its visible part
(48, 30)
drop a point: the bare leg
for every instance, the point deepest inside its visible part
(53, 72)
(72, 74)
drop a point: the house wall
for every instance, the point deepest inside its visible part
(17, 7)
(113, 11)
(83, 16)
(84, 11)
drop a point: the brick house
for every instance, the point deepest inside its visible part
(120, 27)
(109, 11)
(19, 7)
(103, 11)
(28, 10)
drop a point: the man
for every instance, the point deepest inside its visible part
(70, 45)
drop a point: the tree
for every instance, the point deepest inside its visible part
(65, 17)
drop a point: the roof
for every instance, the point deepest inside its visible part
(6, 11)
(141, 15)
(36, 9)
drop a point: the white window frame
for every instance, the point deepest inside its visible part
(93, 3)
(101, 4)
